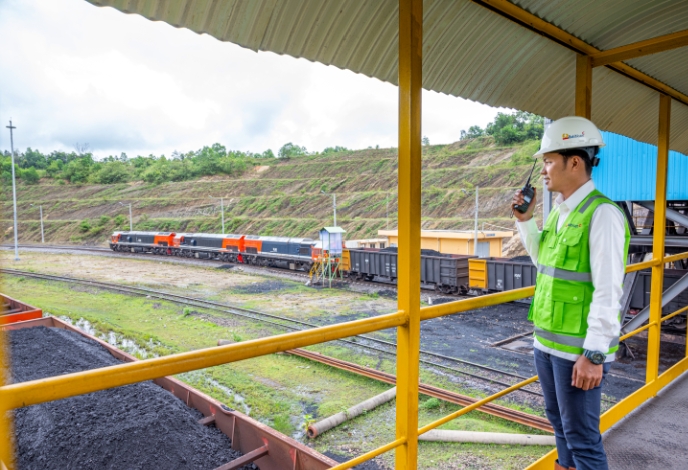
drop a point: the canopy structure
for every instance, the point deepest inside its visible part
(620, 62)
(519, 54)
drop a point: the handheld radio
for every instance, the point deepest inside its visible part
(528, 193)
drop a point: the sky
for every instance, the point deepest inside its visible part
(73, 73)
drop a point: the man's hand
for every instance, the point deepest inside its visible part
(586, 375)
(518, 200)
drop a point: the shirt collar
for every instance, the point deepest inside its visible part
(577, 197)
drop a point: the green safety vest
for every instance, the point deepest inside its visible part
(563, 289)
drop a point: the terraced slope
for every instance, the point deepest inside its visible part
(284, 198)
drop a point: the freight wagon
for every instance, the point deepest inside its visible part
(500, 274)
(444, 273)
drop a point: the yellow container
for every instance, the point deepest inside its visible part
(477, 273)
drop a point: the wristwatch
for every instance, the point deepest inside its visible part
(596, 357)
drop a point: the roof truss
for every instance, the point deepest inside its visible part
(641, 48)
(536, 24)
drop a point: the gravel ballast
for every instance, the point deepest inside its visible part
(140, 426)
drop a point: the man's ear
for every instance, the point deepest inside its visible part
(577, 163)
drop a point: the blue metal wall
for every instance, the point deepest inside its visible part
(628, 169)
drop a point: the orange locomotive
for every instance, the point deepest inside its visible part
(280, 252)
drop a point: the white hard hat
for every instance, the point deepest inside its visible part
(570, 133)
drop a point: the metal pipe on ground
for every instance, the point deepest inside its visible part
(441, 435)
(356, 410)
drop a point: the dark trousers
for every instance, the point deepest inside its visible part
(573, 412)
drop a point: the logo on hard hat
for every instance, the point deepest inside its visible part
(567, 136)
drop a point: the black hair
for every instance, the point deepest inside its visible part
(587, 154)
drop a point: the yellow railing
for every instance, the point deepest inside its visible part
(408, 318)
(69, 385)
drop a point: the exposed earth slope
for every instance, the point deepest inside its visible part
(284, 198)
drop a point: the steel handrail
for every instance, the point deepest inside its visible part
(676, 257)
(370, 455)
(475, 405)
(64, 386)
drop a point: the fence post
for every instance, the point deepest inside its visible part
(653, 334)
(408, 264)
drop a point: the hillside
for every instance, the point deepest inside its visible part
(283, 198)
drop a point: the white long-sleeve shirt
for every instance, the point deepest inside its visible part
(607, 231)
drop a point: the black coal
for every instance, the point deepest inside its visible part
(140, 426)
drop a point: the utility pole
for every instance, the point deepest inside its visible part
(14, 193)
(131, 223)
(475, 242)
(222, 211)
(387, 212)
(334, 206)
(40, 208)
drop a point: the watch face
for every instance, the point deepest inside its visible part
(597, 358)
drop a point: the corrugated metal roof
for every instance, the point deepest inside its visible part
(628, 171)
(469, 51)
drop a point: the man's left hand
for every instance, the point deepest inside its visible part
(586, 375)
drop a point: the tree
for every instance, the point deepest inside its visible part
(425, 141)
(516, 127)
(267, 154)
(335, 149)
(290, 150)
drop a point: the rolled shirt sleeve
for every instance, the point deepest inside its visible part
(530, 237)
(608, 269)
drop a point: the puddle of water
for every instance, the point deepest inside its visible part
(235, 399)
(300, 423)
(125, 344)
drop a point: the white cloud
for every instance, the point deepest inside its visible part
(79, 73)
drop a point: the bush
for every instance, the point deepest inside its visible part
(111, 173)
(85, 226)
(104, 219)
(30, 175)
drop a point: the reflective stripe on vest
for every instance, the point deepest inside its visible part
(564, 274)
(590, 200)
(567, 340)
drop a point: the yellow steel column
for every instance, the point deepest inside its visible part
(583, 86)
(408, 267)
(658, 239)
(6, 452)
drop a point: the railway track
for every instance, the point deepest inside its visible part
(451, 397)
(280, 272)
(428, 358)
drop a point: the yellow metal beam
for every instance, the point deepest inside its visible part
(653, 335)
(434, 311)
(6, 448)
(508, 10)
(369, 455)
(56, 388)
(475, 405)
(583, 86)
(676, 257)
(408, 267)
(641, 48)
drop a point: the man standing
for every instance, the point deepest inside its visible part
(581, 258)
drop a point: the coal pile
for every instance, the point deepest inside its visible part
(140, 426)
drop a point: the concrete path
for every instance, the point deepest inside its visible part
(655, 436)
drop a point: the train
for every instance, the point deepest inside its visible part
(445, 273)
(274, 252)
(441, 272)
